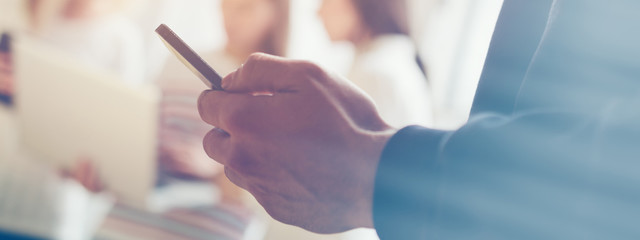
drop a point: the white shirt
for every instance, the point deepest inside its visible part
(386, 70)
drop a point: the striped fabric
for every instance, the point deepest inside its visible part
(181, 88)
(222, 222)
(180, 119)
(181, 127)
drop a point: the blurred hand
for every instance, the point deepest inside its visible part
(187, 158)
(85, 172)
(6, 74)
(308, 153)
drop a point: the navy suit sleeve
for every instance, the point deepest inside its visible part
(539, 175)
(515, 40)
(563, 165)
(409, 158)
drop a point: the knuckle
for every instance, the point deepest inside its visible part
(209, 145)
(203, 101)
(238, 160)
(232, 176)
(241, 117)
(214, 143)
(256, 57)
(202, 96)
(251, 66)
(254, 60)
(311, 70)
(243, 162)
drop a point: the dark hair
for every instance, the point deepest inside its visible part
(5, 45)
(275, 43)
(384, 16)
(387, 17)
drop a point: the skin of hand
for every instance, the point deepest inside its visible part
(86, 173)
(307, 151)
(6, 74)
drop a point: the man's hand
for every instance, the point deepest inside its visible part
(308, 152)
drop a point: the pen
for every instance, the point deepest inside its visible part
(190, 58)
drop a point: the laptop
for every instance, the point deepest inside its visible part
(68, 110)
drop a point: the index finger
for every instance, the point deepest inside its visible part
(266, 73)
(232, 112)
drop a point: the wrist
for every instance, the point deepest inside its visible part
(376, 141)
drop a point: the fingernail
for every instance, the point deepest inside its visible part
(221, 131)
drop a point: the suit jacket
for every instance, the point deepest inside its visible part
(552, 148)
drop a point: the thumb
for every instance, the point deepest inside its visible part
(260, 73)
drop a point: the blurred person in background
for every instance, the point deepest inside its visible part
(6, 69)
(94, 31)
(251, 26)
(386, 65)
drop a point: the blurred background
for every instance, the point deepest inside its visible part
(423, 54)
